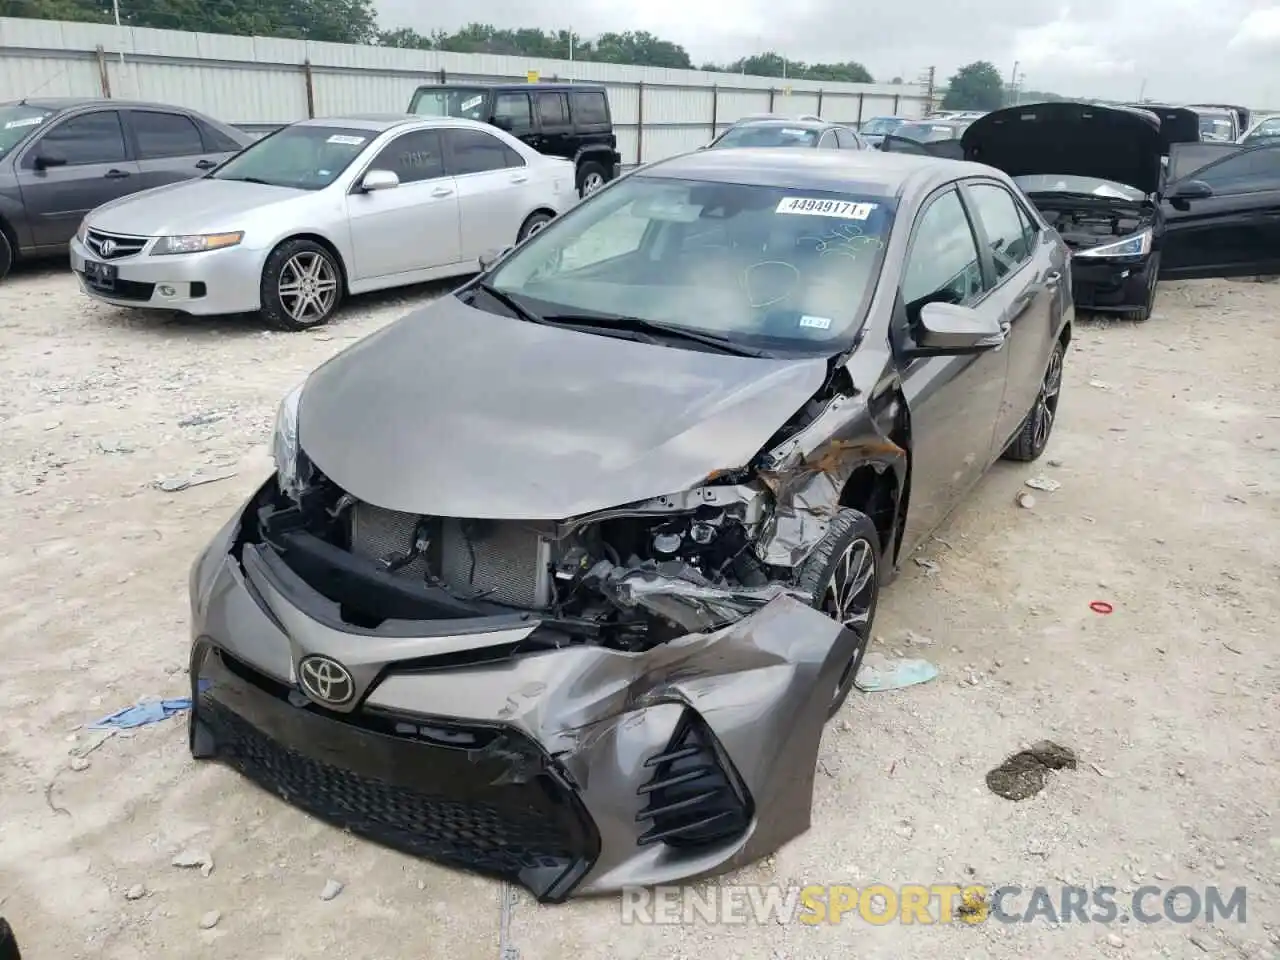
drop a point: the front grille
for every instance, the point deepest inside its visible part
(695, 797)
(500, 561)
(528, 830)
(113, 246)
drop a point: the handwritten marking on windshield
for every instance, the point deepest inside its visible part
(793, 277)
(845, 240)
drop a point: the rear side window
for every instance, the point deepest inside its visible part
(471, 151)
(553, 111)
(846, 140)
(215, 141)
(165, 135)
(998, 213)
(88, 138)
(590, 107)
(515, 108)
(828, 141)
(943, 265)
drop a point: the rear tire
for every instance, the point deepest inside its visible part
(6, 255)
(302, 285)
(1033, 435)
(843, 576)
(591, 177)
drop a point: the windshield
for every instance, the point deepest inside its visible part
(1057, 183)
(16, 121)
(927, 132)
(302, 156)
(1215, 126)
(464, 102)
(768, 266)
(879, 126)
(768, 135)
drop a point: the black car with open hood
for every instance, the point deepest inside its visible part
(1097, 174)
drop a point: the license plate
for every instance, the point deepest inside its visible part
(101, 276)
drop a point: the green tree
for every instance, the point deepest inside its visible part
(639, 48)
(975, 86)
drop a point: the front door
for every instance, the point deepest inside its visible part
(413, 226)
(1028, 274)
(1235, 231)
(94, 166)
(954, 402)
(493, 182)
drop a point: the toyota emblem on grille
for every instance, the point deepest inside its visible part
(326, 681)
(108, 247)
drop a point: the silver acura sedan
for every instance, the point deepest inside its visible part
(320, 209)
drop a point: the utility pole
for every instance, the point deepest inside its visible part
(1142, 91)
(930, 89)
(1013, 83)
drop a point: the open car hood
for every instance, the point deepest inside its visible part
(453, 411)
(1177, 124)
(1108, 143)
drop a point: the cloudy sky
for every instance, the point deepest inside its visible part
(1180, 50)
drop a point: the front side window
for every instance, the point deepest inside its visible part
(17, 122)
(162, 135)
(89, 138)
(1004, 227)
(464, 102)
(412, 157)
(779, 266)
(514, 108)
(471, 151)
(1254, 169)
(303, 156)
(943, 265)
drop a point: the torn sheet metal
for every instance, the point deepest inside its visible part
(679, 593)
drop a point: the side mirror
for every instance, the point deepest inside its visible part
(44, 161)
(379, 180)
(488, 259)
(502, 123)
(946, 328)
(1192, 190)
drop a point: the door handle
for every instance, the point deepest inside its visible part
(114, 174)
(1052, 277)
(206, 164)
(519, 178)
(441, 192)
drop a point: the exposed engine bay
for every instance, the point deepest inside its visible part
(1084, 223)
(628, 577)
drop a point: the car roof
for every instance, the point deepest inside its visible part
(521, 85)
(381, 122)
(72, 103)
(867, 172)
(942, 122)
(789, 122)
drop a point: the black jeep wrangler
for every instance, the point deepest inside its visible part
(569, 120)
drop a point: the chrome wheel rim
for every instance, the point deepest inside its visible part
(536, 226)
(308, 286)
(592, 182)
(849, 596)
(1047, 401)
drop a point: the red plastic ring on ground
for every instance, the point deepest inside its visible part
(1101, 606)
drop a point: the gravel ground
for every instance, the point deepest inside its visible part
(1169, 510)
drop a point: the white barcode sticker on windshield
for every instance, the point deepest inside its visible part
(472, 103)
(24, 122)
(345, 140)
(814, 207)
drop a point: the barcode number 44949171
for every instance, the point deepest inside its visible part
(815, 207)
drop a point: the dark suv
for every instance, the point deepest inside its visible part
(569, 120)
(60, 158)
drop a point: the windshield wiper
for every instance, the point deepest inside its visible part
(508, 301)
(244, 180)
(653, 328)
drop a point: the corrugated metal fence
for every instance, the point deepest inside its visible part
(256, 80)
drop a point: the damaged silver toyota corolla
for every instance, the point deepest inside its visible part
(559, 577)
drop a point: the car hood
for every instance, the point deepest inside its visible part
(1069, 138)
(1177, 124)
(189, 206)
(452, 411)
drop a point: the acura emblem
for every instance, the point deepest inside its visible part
(326, 681)
(108, 247)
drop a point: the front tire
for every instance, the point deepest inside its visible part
(1033, 435)
(301, 285)
(591, 177)
(843, 576)
(531, 226)
(1143, 313)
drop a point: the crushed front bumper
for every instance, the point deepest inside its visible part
(1110, 285)
(570, 771)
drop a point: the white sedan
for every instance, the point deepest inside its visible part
(321, 209)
